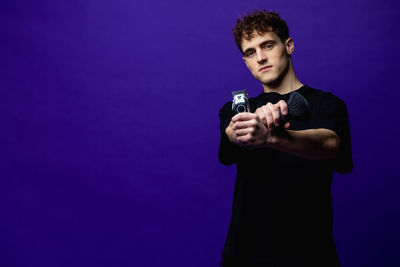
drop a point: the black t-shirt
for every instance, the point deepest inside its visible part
(282, 210)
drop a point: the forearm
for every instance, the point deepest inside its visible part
(310, 144)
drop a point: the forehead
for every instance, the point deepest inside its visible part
(257, 39)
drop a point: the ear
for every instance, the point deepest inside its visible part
(289, 45)
(245, 62)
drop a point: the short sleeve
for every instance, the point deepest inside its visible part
(333, 115)
(228, 152)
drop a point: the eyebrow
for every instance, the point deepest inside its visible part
(263, 43)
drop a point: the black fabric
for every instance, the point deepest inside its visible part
(282, 210)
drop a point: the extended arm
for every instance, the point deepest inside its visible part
(260, 130)
(310, 144)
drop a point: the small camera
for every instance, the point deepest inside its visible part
(240, 102)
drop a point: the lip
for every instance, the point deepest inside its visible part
(264, 69)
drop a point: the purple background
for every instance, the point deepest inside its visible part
(109, 127)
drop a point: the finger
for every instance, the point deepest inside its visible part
(268, 116)
(244, 138)
(265, 115)
(275, 114)
(242, 132)
(283, 106)
(261, 115)
(270, 119)
(287, 125)
(244, 116)
(243, 124)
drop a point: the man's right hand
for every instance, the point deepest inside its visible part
(247, 130)
(231, 134)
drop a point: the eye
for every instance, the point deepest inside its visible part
(249, 53)
(267, 46)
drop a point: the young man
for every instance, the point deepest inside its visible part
(282, 210)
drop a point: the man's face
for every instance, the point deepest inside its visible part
(267, 57)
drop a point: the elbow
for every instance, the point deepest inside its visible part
(227, 163)
(344, 168)
(225, 160)
(334, 145)
(343, 162)
(331, 146)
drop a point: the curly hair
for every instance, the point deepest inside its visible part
(259, 22)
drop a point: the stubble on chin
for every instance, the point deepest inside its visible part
(277, 78)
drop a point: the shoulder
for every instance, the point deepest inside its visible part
(226, 107)
(322, 97)
(226, 110)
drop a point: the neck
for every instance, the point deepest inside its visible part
(285, 84)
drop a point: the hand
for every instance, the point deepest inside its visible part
(230, 133)
(269, 114)
(250, 130)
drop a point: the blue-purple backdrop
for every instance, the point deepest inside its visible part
(109, 127)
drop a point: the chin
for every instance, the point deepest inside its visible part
(269, 81)
(273, 79)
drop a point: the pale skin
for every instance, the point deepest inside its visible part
(268, 59)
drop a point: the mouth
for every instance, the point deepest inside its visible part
(264, 69)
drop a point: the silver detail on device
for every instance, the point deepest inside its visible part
(240, 101)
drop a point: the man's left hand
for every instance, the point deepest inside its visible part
(270, 116)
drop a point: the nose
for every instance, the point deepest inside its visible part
(261, 56)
